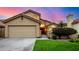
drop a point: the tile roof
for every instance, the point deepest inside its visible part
(75, 21)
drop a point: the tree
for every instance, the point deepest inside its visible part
(61, 25)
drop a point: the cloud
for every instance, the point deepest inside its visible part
(2, 17)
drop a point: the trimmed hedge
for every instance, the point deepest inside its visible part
(64, 31)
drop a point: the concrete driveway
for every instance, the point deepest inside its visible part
(17, 44)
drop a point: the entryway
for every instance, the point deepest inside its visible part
(43, 32)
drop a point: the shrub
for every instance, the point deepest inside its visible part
(64, 31)
(71, 40)
(54, 37)
(74, 40)
(77, 41)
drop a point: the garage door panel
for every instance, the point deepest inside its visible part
(22, 31)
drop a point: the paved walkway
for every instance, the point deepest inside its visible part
(44, 37)
(17, 44)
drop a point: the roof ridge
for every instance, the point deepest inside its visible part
(30, 10)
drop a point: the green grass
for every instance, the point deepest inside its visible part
(50, 45)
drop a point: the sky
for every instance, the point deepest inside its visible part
(53, 14)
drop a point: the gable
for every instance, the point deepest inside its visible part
(21, 21)
(33, 15)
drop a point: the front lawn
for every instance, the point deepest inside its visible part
(51, 45)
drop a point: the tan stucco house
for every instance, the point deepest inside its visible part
(30, 24)
(26, 24)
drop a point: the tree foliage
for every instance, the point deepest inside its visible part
(61, 25)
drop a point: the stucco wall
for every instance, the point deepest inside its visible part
(45, 22)
(50, 28)
(2, 24)
(33, 15)
(76, 27)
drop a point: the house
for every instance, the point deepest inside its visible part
(30, 24)
(26, 24)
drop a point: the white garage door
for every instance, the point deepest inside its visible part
(22, 31)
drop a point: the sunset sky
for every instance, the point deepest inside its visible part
(54, 14)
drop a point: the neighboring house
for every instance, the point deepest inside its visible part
(75, 25)
(26, 24)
